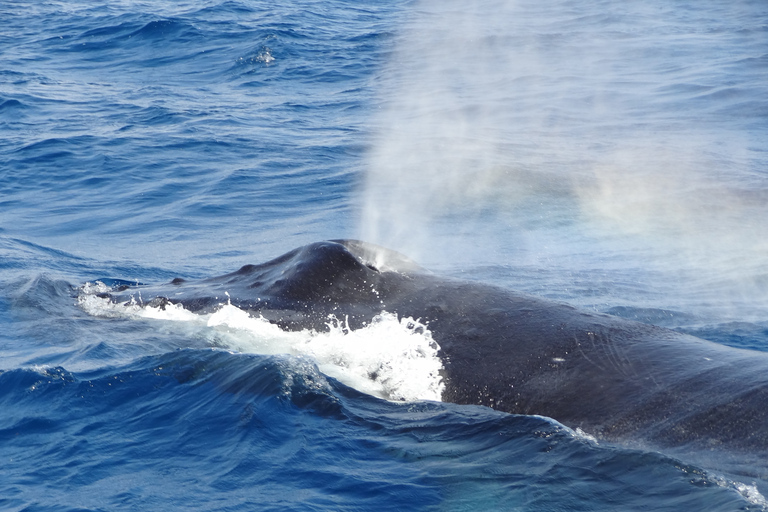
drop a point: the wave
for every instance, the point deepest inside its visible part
(211, 429)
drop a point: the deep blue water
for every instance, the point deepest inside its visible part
(609, 154)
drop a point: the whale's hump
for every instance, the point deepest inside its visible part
(329, 271)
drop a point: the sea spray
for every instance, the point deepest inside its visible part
(392, 358)
(506, 136)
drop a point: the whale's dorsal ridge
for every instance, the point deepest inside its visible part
(315, 272)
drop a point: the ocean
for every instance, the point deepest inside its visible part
(610, 155)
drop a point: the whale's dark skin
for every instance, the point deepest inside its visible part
(616, 379)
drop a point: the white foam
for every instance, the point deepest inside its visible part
(584, 436)
(393, 358)
(749, 492)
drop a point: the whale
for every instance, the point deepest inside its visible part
(615, 379)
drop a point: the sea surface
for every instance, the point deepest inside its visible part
(608, 154)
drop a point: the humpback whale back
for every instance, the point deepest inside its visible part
(615, 379)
